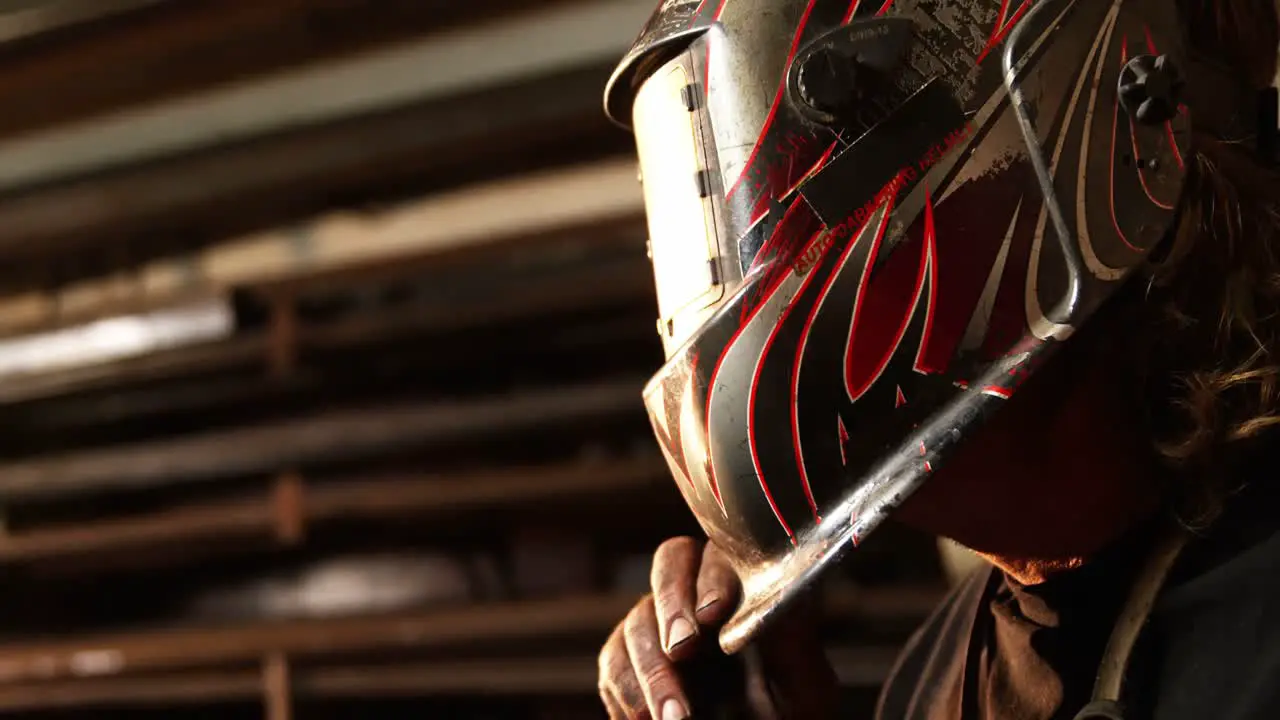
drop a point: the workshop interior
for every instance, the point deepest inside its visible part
(323, 330)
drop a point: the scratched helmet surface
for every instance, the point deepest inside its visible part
(869, 222)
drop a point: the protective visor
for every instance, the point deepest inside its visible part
(693, 265)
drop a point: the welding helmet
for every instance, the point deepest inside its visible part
(869, 222)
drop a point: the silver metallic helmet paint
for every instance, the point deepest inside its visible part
(845, 295)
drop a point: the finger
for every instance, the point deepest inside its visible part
(618, 681)
(717, 587)
(673, 577)
(614, 707)
(657, 674)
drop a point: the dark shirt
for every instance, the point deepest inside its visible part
(996, 650)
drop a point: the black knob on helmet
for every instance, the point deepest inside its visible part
(1151, 89)
(833, 83)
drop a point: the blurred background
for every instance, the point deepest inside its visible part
(322, 330)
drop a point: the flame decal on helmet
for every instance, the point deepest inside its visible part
(853, 10)
(801, 345)
(931, 248)
(843, 433)
(787, 305)
(872, 338)
(1004, 23)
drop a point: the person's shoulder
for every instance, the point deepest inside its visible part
(1215, 638)
(930, 668)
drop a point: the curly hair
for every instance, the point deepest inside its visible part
(1210, 319)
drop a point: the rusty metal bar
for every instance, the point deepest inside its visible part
(359, 498)
(191, 689)
(189, 525)
(615, 281)
(277, 687)
(265, 447)
(374, 498)
(282, 345)
(623, 279)
(289, 503)
(856, 667)
(554, 675)
(237, 352)
(177, 649)
(110, 338)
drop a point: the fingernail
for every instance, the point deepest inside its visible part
(673, 710)
(681, 630)
(708, 600)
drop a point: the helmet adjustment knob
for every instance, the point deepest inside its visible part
(1151, 89)
(833, 83)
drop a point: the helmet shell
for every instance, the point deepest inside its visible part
(843, 303)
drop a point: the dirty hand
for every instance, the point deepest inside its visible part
(645, 664)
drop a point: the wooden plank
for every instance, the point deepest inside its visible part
(280, 178)
(50, 22)
(266, 447)
(536, 207)
(499, 52)
(536, 204)
(183, 648)
(190, 46)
